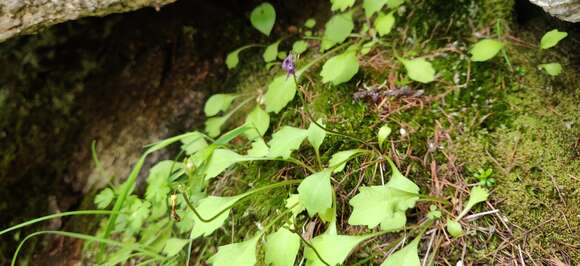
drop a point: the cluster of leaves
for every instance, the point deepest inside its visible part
(380, 206)
(177, 193)
(486, 49)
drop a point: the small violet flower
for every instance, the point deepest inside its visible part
(288, 65)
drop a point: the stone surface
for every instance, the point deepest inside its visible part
(568, 10)
(28, 16)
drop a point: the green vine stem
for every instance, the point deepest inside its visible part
(242, 197)
(56, 215)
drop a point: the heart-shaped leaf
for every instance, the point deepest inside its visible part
(286, 140)
(340, 68)
(280, 92)
(239, 254)
(552, 38)
(263, 18)
(485, 50)
(384, 23)
(282, 247)
(338, 28)
(315, 193)
(407, 256)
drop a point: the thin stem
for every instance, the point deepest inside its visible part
(310, 246)
(56, 215)
(242, 196)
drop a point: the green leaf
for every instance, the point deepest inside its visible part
(271, 52)
(233, 59)
(400, 182)
(316, 134)
(553, 69)
(208, 208)
(340, 68)
(193, 143)
(259, 148)
(407, 256)
(213, 125)
(282, 247)
(454, 228)
(239, 254)
(338, 160)
(280, 92)
(315, 193)
(310, 23)
(485, 50)
(217, 103)
(333, 249)
(158, 187)
(293, 202)
(173, 246)
(286, 140)
(383, 134)
(263, 18)
(476, 195)
(341, 4)
(384, 205)
(384, 23)
(259, 121)
(394, 3)
(551, 38)
(419, 70)
(299, 47)
(104, 198)
(133, 215)
(338, 28)
(373, 6)
(220, 160)
(381, 205)
(282, 55)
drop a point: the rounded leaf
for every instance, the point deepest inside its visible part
(263, 18)
(485, 50)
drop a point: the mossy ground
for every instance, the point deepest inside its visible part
(508, 116)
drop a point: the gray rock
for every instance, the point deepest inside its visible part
(568, 10)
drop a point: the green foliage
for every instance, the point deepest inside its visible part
(193, 143)
(419, 70)
(341, 68)
(259, 120)
(433, 213)
(373, 6)
(485, 50)
(383, 134)
(341, 4)
(299, 47)
(407, 256)
(315, 193)
(104, 198)
(282, 247)
(476, 195)
(280, 92)
(553, 69)
(233, 58)
(552, 38)
(212, 208)
(316, 135)
(385, 205)
(220, 160)
(484, 177)
(214, 124)
(218, 103)
(395, 3)
(133, 216)
(242, 254)
(271, 52)
(333, 248)
(338, 28)
(310, 23)
(286, 140)
(263, 18)
(454, 228)
(173, 246)
(338, 160)
(384, 23)
(259, 148)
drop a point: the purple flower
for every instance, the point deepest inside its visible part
(288, 65)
